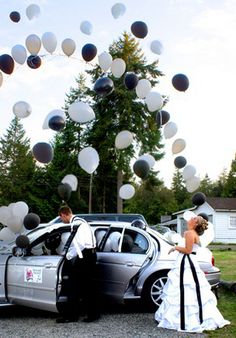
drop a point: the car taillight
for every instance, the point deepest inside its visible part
(213, 260)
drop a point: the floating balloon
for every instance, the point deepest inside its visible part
(118, 67)
(178, 146)
(81, 112)
(139, 29)
(198, 198)
(103, 86)
(68, 46)
(19, 54)
(193, 183)
(22, 241)
(43, 152)
(19, 209)
(15, 16)
(34, 61)
(170, 130)
(5, 213)
(64, 191)
(143, 88)
(188, 215)
(141, 168)
(31, 221)
(22, 109)
(126, 191)
(55, 112)
(49, 42)
(88, 159)
(89, 51)
(118, 10)
(162, 117)
(71, 180)
(188, 172)
(1, 79)
(154, 101)
(180, 162)
(32, 11)
(130, 80)
(86, 27)
(105, 61)
(33, 44)
(123, 139)
(7, 235)
(180, 82)
(56, 123)
(156, 47)
(149, 159)
(6, 63)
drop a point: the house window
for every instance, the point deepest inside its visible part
(232, 222)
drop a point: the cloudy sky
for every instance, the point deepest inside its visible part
(198, 37)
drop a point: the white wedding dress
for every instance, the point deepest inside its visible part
(188, 303)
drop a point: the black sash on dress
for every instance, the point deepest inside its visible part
(182, 314)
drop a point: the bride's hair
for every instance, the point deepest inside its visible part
(201, 226)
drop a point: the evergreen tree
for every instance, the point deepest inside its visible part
(207, 186)
(229, 189)
(182, 196)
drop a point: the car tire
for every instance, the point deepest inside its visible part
(151, 295)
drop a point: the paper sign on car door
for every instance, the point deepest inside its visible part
(33, 275)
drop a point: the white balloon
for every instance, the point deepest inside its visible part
(22, 109)
(118, 67)
(49, 42)
(118, 10)
(68, 46)
(149, 159)
(33, 44)
(81, 112)
(32, 11)
(115, 238)
(126, 191)
(88, 159)
(20, 209)
(15, 224)
(207, 237)
(188, 215)
(123, 139)
(1, 79)
(5, 213)
(188, 172)
(178, 145)
(7, 235)
(19, 54)
(55, 112)
(193, 183)
(105, 61)
(71, 180)
(143, 88)
(170, 129)
(154, 101)
(156, 47)
(86, 27)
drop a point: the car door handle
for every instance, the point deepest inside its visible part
(48, 265)
(129, 263)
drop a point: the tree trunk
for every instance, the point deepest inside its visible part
(119, 184)
(90, 193)
(104, 199)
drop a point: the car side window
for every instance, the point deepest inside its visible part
(112, 241)
(134, 242)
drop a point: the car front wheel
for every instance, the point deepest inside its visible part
(153, 290)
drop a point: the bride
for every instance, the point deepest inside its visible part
(188, 303)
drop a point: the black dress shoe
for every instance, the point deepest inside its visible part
(66, 320)
(90, 319)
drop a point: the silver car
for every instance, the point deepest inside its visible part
(132, 263)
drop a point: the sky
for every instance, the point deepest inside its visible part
(198, 38)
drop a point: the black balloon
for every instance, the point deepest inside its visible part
(31, 221)
(56, 123)
(130, 80)
(162, 117)
(22, 241)
(199, 198)
(180, 162)
(141, 168)
(203, 215)
(139, 29)
(103, 86)
(15, 16)
(43, 152)
(64, 191)
(34, 61)
(89, 51)
(180, 82)
(7, 63)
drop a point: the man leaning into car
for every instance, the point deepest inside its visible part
(81, 258)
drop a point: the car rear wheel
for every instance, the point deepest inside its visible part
(153, 290)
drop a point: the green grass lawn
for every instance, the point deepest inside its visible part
(226, 261)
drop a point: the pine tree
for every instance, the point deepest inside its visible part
(182, 196)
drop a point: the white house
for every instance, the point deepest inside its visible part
(221, 213)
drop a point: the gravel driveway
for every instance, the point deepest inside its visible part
(119, 322)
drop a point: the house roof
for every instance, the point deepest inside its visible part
(222, 203)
